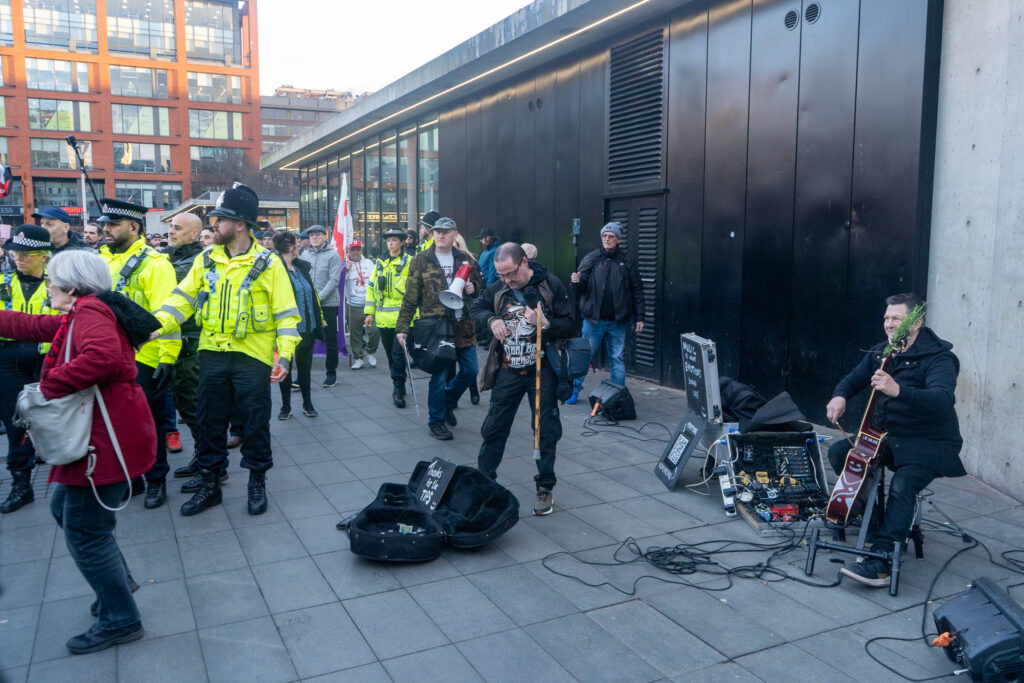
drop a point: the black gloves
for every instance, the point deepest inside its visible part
(163, 375)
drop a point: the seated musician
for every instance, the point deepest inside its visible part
(915, 408)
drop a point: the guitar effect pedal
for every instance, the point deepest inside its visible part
(728, 490)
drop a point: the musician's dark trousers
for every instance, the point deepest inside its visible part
(509, 389)
(905, 483)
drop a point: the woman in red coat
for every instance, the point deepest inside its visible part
(102, 355)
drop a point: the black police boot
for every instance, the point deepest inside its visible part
(398, 395)
(21, 493)
(189, 470)
(474, 393)
(257, 493)
(193, 484)
(156, 494)
(207, 496)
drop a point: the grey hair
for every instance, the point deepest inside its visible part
(80, 271)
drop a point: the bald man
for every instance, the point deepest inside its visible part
(183, 236)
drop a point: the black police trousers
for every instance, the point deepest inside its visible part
(157, 401)
(395, 355)
(20, 363)
(506, 395)
(905, 483)
(229, 381)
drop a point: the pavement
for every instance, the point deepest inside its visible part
(279, 597)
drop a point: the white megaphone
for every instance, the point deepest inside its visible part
(452, 297)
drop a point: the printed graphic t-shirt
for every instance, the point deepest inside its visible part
(447, 262)
(519, 350)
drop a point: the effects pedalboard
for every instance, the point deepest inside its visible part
(779, 483)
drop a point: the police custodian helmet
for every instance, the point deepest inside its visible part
(239, 203)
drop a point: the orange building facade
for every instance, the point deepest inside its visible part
(154, 91)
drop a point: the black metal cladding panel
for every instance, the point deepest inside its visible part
(636, 109)
(622, 216)
(647, 263)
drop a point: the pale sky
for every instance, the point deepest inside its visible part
(362, 45)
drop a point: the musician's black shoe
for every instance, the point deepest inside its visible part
(869, 571)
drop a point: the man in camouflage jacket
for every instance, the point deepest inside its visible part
(430, 273)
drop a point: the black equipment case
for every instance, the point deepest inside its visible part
(397, 527)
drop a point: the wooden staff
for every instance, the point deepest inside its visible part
(541, 321)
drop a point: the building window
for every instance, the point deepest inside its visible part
(55, 153)
(216, 160)
(141, 27)
(51, 74)
(3, 113)
(61, 192)
(66, 24)
(137, 81)
(3, 151)
(151, 195)
(213, 32)
(140, 157)
(134, 119)
(218, 88)
(14, 200)
(274, 113)
(58, 115)
(2, 62)
(214, 125)
(274, 130)
(426, 171)
(6, 24)
(407, 179)
(269, 146)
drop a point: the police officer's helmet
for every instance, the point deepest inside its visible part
(239, 203)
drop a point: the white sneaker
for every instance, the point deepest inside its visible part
(372, 360)
(357, 364)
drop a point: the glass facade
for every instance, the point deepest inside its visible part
(137, 81)
(215, 160)
(141, 27)
(152, 195)
(213, 32)
(214, 125)
(219, 88)
(393, 181)
(140, 157)
(55, 153)
(134, 119)
(61, 24)
(3, 112)
(58, 115)
(3, 151)
(61, 191)
(52, 74)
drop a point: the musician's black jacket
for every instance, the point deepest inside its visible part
(921, 422)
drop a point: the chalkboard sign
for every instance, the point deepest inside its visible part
(700, 377)
(684, 442)
(432, 488)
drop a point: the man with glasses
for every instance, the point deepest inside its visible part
(509, 309)
(612, 300)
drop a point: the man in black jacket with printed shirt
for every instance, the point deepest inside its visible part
(508, 309)
(916, 408)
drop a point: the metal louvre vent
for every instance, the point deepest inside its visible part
(635, 110)
(622, 216)
(791, 19)
(647, 263)
(812, 12)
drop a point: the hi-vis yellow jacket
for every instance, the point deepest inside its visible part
(13, 299)
(237, 308)
(148, 285)
(385, 303)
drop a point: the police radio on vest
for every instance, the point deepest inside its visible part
(452, 297)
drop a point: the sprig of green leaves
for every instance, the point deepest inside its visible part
(903, 331)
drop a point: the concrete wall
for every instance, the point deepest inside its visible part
(976, 273)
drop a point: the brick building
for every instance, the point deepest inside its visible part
(154, 90)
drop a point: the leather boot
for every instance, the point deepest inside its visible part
(207, 496)
(189, 470)
(21, 493)
(398, 395)
(257, 493)
(194, 484)
(156, 494)
(474, 393)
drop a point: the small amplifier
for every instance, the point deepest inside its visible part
(984, 632)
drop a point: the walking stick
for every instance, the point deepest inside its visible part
(541, 321)
(408, 373)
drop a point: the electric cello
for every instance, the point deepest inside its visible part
(848, 496)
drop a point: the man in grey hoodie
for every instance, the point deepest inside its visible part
(326, 272)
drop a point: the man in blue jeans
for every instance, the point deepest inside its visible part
(611, 299)
(430, 273)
